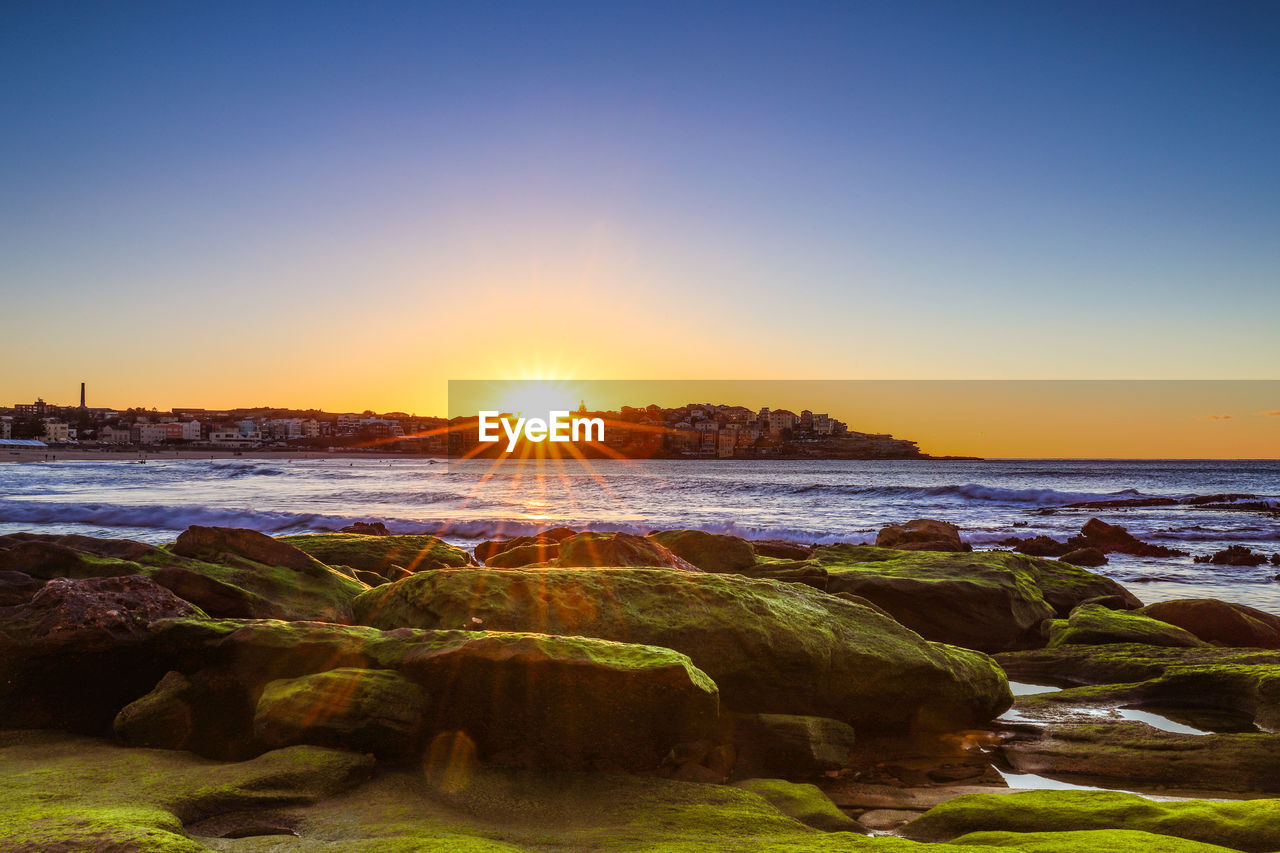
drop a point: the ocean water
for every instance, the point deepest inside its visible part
(812, 501)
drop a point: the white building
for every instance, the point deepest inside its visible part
(780, 420)
(57, 432)
(234, 438)
(115, 435)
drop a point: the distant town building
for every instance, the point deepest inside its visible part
(780, 420)
(115, 435)
(234, 438)
(57, 432)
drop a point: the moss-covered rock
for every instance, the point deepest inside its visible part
(1093, 625)
(1249, 825)
(793, 747)
(988, 600)
(378, 554)
(1121, 662)
(1242, 681)
(711, 552)
(534, 554)
(1222, 623)
(81, 649)
(114, 798)
(64, 792)
(367, 710)
(922, 534)
(44, 557)
(622, 550)
(806, 803)
(225, 572)
(209, 712)
(524, 699)
(1133, 753)
(1088, 841)
(771, 647)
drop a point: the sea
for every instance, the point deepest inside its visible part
(802, 501)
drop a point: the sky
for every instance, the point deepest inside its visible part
(346, 205)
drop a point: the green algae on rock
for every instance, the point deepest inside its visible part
(711, 552)
(1248, 825)
(226, 572)
(115, 798)
(1093, 624)
(771, 647)
(804, 802)
(622, 550)
(368, 710)
(378, 554)
(525, 699)
(1133, 753)
(330, 803)
(1244, 681)
(1222, 623)
(1088, 841)
(788, 746)
(985, 600)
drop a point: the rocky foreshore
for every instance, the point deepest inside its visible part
(362, 691)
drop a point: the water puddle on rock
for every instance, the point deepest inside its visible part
(1158, 721)
(1024, 688)
(1030, 781)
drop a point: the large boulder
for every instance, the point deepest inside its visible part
(787, 746)
(378, 554)
(987, 600)
(565, 702)
(523, 699)
(1242, 684)
(771, 647)
(548, 539)
(1234, 555)
(534, 553)
(1093, 624)
(209, 712)
(45, 556)
(1134, 753)
(94, 607)
(1220, 622)
(623, 550)
(922, 534)
(711, 552)
(215, 544)
(245, 574)
(81, 649)
(1112, 538)
(224, 571)
(368, 710)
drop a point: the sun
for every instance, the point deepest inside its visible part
(533, 397)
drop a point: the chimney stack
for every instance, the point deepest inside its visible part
(82, 395)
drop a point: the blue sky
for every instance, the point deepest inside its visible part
(471, 190)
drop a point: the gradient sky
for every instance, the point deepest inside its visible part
(345, 205)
